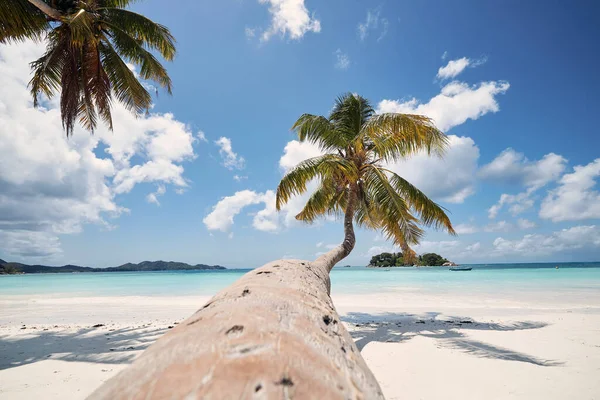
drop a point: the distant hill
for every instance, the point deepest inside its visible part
(15, 268)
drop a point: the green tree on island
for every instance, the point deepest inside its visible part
(431, 259)
(89, 43)
(353, 180)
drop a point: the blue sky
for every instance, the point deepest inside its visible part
(515, 85)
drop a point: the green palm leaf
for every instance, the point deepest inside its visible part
(86, 45)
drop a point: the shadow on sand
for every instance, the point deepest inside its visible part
(450, 332)
(97, 345)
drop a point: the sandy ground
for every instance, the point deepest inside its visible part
(428, 346)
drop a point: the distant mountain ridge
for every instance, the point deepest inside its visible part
(12, 268)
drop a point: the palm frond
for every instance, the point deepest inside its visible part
(127, 89)
(47, 69)
(396, 136)
(130, 48)
(326, 166)
(430, 213)
(321, 202)
(20, 20)
(149, 33)
(318, 130)
(349, 114)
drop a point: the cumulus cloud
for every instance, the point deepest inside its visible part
(267, 220)
(525, 224)
(500, 226)
(289, 18)
(50, 185)
(222, 214)
(373, 23)
(450, 179)
(153, 197)
(457, 103)
(342, 60)
(465, 229)
(231, 160)
(455, 67)
(511, 167)
(295, 152)
(577, 237)
(575, 198)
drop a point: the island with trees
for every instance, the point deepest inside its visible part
(387, 260)
(10, 268)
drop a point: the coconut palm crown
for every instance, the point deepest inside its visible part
(353, 180)
(89, 46)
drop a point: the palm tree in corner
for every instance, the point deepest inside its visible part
(353, 180)
(89, 43)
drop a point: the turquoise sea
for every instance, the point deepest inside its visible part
(354, 280)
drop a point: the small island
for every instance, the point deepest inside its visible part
(387, 260)
(12, 268)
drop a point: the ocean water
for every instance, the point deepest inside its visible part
(580, 277)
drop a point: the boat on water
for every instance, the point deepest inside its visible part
(458, 268)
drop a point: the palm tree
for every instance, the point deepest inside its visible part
(89, 43)
(275, 332)
(353, 180)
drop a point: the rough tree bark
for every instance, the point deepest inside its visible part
(273, 334)
(46, 9)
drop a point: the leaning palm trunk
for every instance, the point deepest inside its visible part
(273, 334)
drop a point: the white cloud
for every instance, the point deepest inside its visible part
(473, 248)
(373, 23)
(50, 185)
(30, 244)
(222, 214)
(250, 32)
(445, 55)
(342, 60)
(510, 167)
(289, 18)
(455, 67)
(153, 197)
(319, 245)
(295, 152)
(374, 250)
(577, 237)
(267, 220)
(465, 229)
(575, 198)
(442, 247)
(239, 178)
(201, 136)
(451, 178)
(519, 203)
(457, 103)
(500, 226)
(230, 159)
(525, 224)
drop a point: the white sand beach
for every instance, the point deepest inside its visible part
(522, 346)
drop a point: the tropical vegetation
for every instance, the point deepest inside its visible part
(396, 260)
(353, 180)
(89, 44)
